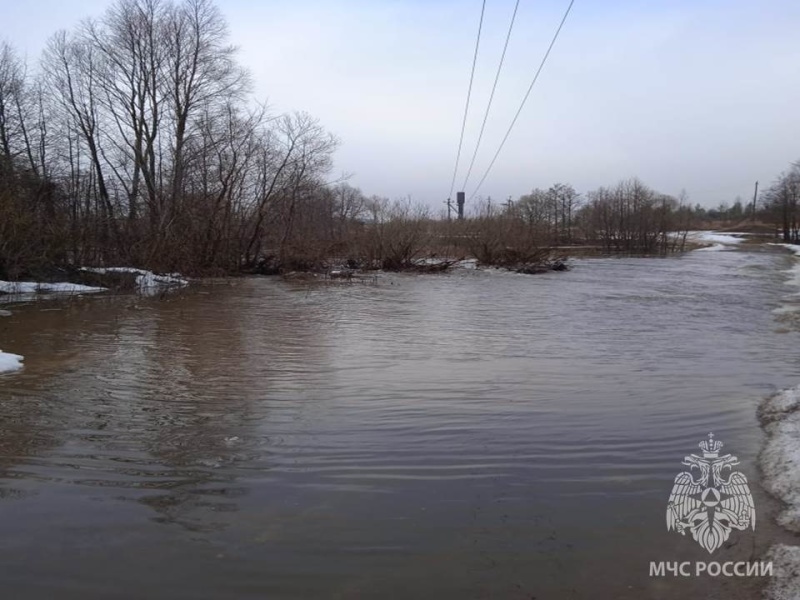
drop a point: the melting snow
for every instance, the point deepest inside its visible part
(34, 287)
(468, 263)
(10, 362)
(780, 465)
(145, 280)
(714, 248)
(780, 458)
(720, 240)
(785, 582)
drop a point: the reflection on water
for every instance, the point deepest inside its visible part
(470, 435)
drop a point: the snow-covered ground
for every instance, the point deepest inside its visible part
(719, 241)
(780, 458)
(34, 287)
(467, 263)
(10, 362)
(714, 248)
(780, 465)
(785, 583)
(147, 282)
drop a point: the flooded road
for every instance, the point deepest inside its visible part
(469, 435)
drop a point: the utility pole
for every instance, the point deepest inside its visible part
(755, 196)
(449, 209)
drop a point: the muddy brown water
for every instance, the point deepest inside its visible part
(469, 435)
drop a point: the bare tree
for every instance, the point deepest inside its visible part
(781, 203)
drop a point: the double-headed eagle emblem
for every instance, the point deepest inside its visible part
(710, 506)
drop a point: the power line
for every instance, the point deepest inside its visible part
(525, 99)
(469, 95)
(491, 96)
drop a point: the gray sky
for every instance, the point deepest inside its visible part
(701, 95)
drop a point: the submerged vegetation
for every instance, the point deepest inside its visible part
(138, 142)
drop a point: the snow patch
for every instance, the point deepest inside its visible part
(785, 582)
(468, 263)
(780, 458)
(432, 261)
(714, 248)
(146, 281)
(34, 287)
(716, 238)
(780, 464)
(10, 362)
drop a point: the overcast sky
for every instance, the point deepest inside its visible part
(695, 95)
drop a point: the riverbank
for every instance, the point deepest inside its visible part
(779, 459)
(780, 467)
(89, 280)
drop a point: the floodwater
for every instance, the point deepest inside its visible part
(467, 435)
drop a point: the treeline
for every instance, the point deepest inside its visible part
(779, 204)
(725, 214)
(775, 210)
(136, 141)
(626, 217)
(536, 229)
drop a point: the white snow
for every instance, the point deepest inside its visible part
(785, 582)
(5, 313)
(721, 238)
(34, 287)
(430, 261)
(780, 457)
(146, 281)
(716, 238)
(468, 263)
(780, 465)
(10, 362)
(714, 248)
